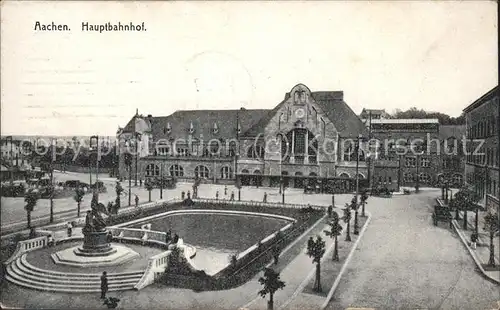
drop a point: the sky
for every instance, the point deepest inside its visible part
(434, 55)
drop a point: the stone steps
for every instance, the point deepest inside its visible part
(22, 273)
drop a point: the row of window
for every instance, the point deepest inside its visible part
(200, 171)
(481, 186)
(426, 178)
(412, 162)
(484, 128)
(490, 158)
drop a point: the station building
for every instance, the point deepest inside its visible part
(307, 137)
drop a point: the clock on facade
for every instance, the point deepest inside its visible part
(300, 113)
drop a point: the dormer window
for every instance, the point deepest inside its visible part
(191, 127)
(215, 129)
(168, 129)
(239, 128)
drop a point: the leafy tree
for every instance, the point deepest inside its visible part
(128, 162)
(79, 193)
(30, 198)
(118, 189)
(272, 283)
(347, 219)
(355, 207)
(466, 200)
(334, 232)
(415, 113)
(491, 225)
(363, 198)
(316, 250)
(149, 188)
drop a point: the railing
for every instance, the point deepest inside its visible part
(27, 246)
(257, 203)
(138, 234)
(156, 267)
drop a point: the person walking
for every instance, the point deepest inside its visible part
(69, 227)
(217, 195)
(225, 190)
(136, 201)
(473, 240)
(104, 284)
(232, 196)
(265, 197)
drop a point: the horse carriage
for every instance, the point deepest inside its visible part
(441, 213)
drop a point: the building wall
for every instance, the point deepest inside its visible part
(481, 168)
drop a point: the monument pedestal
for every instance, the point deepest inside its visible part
(95, 243)
(96, 251)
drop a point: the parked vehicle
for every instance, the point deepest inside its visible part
(99, 186)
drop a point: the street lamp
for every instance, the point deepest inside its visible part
(356, 228)
(96, 190)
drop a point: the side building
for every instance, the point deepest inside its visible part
(482, 160)
(307, 137)
(416, 153)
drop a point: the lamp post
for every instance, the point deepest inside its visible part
(51, 188)
(356, 228)
(96, 189)
(161, 180)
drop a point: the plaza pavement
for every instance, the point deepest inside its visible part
(402, 262)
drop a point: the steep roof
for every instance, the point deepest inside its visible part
(203, 123)
(448, 131)
(252, 122)
(347, 123)
(478, 102)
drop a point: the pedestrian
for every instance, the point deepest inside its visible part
(265, 197)
(110, 237)
(50, 240)
(136, 201)
(225, 190)
(176, 239)
(189, 195)
(330, 210)
(232, 196)
(140, 182)
(104, 284)
(473, 240)
(69, 227)
(183, 195)
(217, 195)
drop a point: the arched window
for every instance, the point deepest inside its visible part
(201, 172)
(313, 174)
(344, 175)
(244, 171)
(257, 171)
(348, 154)
(152, 170)
(256, 152)
(232, 149)
(176, 171)
(361, 176)
(226, 173)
